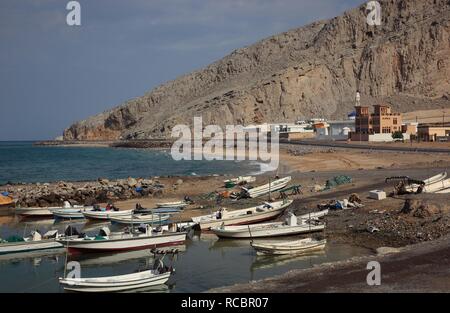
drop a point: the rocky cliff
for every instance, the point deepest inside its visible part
(313, 71)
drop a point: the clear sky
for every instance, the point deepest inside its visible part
(52, 74)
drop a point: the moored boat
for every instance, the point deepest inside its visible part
(137, 219)
(71, 213)
(265, 189)
(159, 275)
(145, 237)
(288, 247)
(106, 215)
(34, 242)
(115, 283)
(246, 216)
(48, 211)
(175, 204)
(290, 227)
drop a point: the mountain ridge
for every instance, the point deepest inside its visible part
(311, 71)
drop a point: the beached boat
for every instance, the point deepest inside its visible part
(48, 211)
(106, 215)
(265, 189)
(312, 215)
(137, 219)
(292, 226)
(246, 216)
(145, 237)
(71, 213)
(34, 242)
(430, 181)
(6, 201)
(176, 204)
(437, 186)
(443, 191)
(116, 283)
(239, 180)
(288, 247)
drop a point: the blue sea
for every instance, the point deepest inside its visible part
(23, 162)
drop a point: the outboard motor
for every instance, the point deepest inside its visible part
(104, 231)
(71, 231)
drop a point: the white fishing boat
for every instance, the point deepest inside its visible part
(264, 212)
(71, 213)
(48, 211)
(292, 226)
(176, 204)
(137, 219)
(443, 191)
(239, 180)
(437, 186)
(288, 247)
(106, 215)
(146, 237)
(265, 189)
(142, 210)
(133, 281)
(34, 242)
(313, 215)
(430, 181)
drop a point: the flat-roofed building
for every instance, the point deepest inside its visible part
(376, 126)
(434, 132)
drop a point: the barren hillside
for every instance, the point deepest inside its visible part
(312, 71)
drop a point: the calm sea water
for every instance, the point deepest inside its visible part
(23, 162)
(204, 262)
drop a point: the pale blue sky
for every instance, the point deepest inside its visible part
(53, 75)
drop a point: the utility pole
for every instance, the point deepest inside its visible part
(443, 117)
(358, 104)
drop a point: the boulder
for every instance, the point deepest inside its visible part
(131, 182)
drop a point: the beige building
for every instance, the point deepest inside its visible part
(428, 132)
(376, 126)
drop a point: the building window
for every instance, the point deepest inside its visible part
(395, 121)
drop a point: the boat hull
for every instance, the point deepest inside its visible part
(112, 286)
(171, 205)
(124, 244)
(28, 246)
(137, 221)
(242, 220)
(106, 215)
(35, 211)
(267, 249)
(265, 189)
(260, 232)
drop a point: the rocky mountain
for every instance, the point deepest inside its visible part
(312, 71)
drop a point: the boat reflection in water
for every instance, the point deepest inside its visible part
(98, 259)
(270, 261)
(34, 256)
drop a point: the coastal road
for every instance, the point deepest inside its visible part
(335, 144)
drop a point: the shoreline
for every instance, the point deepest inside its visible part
(310, 167)
(398, 268)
